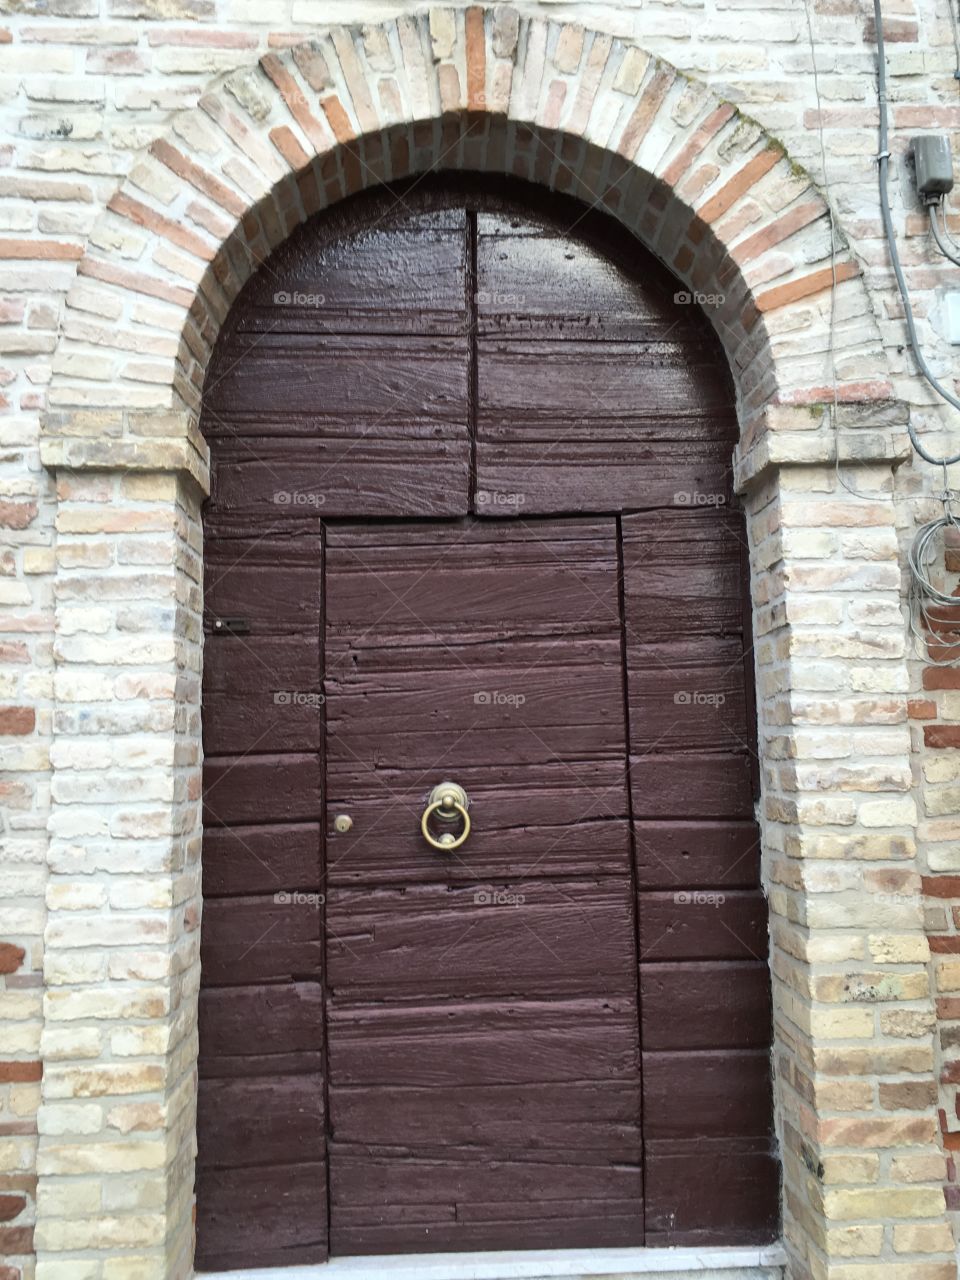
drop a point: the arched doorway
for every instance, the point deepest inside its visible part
(472, 520)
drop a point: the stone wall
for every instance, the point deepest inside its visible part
(100, 567)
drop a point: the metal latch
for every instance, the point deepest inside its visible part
(231, 627)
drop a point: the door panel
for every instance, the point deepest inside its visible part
(261, 1126)
(470, 994)
(702, 919)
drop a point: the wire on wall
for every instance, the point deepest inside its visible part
(927, 600)
(944, 242)
(834, 238)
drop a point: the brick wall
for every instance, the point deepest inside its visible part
(85, 87)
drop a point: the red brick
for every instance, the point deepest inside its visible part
(285, 140)
(17, 515)
(16, 1240)
(144, 216)
(198, 177)
(11, 957)
(17, 720)
(40, 250)
(650, 102)
(11, 1206)
(807, 285)
(941, 886)
(694, 145)
(948, 1008)
(776, 232)
(740, 183)
(921, 709)
(135, 281)
(941, 735)
(20, 1072)
(339, 120)
(945, 944)
(292, 95)
(941, 678)
(926, 117)
(476, 59)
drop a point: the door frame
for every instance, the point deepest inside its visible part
(573, 110)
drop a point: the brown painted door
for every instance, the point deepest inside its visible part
(466, 443)
(484, 1066)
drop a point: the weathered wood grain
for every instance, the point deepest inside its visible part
(260, 939)
(272, 1214)
(260, 859)
(261, 1120)
(252, 1030)
(703, 854)
(705, 1004)
(712, 1191)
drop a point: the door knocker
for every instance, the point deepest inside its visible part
(448, 804)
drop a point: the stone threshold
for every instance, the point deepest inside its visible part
(737, 1263)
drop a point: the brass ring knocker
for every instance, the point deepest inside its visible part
(450, 803)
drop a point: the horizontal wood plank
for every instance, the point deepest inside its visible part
(711, 1192)
(703, 924)
(250, 1030)
(240, 859)
(705, 1004)
(249, 940)
(273, 1214)
(561, 936)
(674, 854)
(261, 1120)
(709, 1093)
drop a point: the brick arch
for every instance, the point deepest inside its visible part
(699, 183)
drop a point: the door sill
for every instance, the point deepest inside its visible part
(764, 1262)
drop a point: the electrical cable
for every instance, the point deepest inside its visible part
(883, 159)
(944, 243)
(925, 595)
(953, 8)
(832, 325)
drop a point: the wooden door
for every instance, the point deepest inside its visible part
(466, 444)
(484, 1085)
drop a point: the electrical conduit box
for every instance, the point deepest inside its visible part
(934, 165)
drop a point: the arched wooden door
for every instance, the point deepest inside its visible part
(472, 521)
